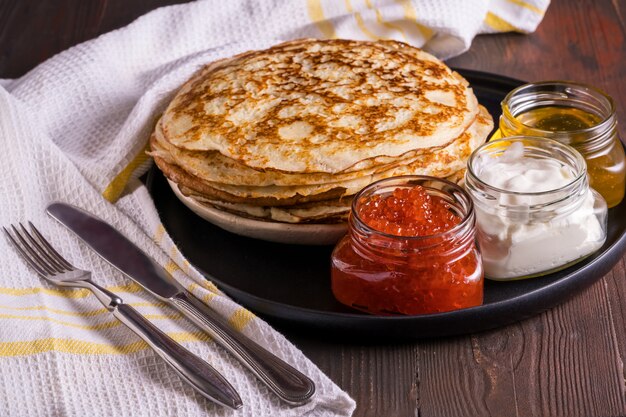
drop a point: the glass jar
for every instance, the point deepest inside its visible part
(577, 115)
(388, 274)
(524, 234)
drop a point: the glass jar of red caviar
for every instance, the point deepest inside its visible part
(410, 249)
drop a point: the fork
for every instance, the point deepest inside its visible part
(50, 265)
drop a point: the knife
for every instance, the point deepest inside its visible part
(285, 381)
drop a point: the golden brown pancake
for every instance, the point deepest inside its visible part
(440, 164)
(325, 211)
(291, 133)
(326, 106)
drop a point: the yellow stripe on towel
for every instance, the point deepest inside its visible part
(80, 347)
(497, 23)
(116, 187)
(361, 24)
(381, 21)
(90, 313)
(240, 318)
(528, 6)
(160, 232)
(411, 15)
(316, 13)
(187, 266)
(206, 298)
(208, 285)
(99, 326)
(171, 267)
(66, 292)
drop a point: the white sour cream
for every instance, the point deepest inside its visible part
(516, 242)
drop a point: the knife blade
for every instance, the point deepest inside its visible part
(116, 249)
(284, 380)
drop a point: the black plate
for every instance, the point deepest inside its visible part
(290, 285)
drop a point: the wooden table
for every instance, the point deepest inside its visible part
(568, 361)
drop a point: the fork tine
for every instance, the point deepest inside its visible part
(46, 251)
(61, 260)
(34, 256)
(25, 255)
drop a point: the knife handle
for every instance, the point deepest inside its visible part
(285, 381)
(199, 374)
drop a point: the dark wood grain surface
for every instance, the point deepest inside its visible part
(568, 361)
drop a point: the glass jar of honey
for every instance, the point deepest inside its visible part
(577, 115)
(410, 249)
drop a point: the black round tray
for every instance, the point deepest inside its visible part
(289, 285)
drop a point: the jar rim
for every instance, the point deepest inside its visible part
(605, 117)
(580, 161)
(467, 218)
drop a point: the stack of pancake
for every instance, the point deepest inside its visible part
(291, 133)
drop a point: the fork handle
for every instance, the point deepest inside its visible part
(284, 380)
(199, 374)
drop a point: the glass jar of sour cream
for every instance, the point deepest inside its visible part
(410, 249)
(535, 211)
(577, 115)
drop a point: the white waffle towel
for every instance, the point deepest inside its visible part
(74, 129)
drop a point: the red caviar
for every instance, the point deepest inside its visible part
(408, 212)
(409, 250)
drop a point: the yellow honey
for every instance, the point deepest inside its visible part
(579, 116)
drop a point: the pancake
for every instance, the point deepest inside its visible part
(326, 211)
(333, 211)
(215, 167)
(439, 164)
(292, 133)
(321, 106)
(201, 187)
(458, 177)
